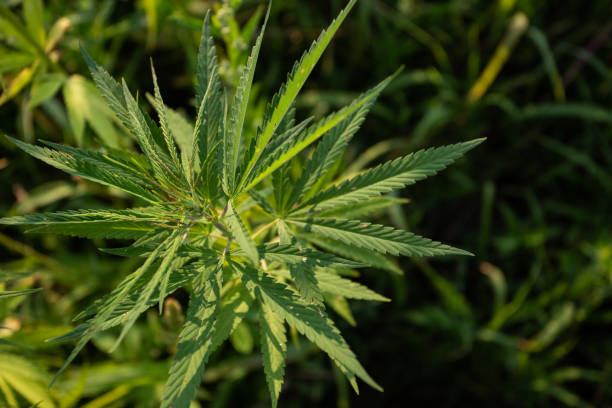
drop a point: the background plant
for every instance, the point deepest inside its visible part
(538, 191)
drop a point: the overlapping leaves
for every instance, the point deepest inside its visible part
(197, 187)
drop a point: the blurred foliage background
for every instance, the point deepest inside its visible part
(526, 322)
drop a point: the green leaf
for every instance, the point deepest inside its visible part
(131, 166)
(110, 90)
(307, 319)
(123, 224)
(27, 379)
(362, 255)
(15, 293)
(287, 151)
(33, 13)
(333, 283)
(390, 176)
(163, 120)
(292, 254)
(362, 208)
(232, 140)
(285, 97)
(330, 282)
(182, 130)
(328, 152)
(242, 339)
(164, 169)
(208, 81)
(81, 168)
(109, 306)
(84, 105)
(195, 342)
(179, 278)
(376, 237)
(302, 273)
(45, 88)
(160, 277)
(273, 350)
(241, 235)
(234, 307)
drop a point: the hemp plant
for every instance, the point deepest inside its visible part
(223, 216)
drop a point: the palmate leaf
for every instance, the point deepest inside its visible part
(195, 341)
(390, 176)
(285, 97)
(375, 237)
(307, 319)
(193, 177)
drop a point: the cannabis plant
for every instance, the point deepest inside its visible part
(223, 216)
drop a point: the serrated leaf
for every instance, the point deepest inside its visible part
(163, 168)
(232, 140)
(302, 272)
(81, 168)
(163, 119)
(233, 309)
(195, 342)
(361, 255)
(335, 284)
(273, 349)
(287, 151)
(307, 319)
(131, 166)
(363, 208)
(330, 282)
(90, 223)
(182, 130)
(285, 97)
(291, 254)
(376, 237)
(208, 80)
(180, 278)
(327, 153)
(390, 176)
(111, 303)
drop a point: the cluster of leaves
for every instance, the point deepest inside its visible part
(198, 180)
